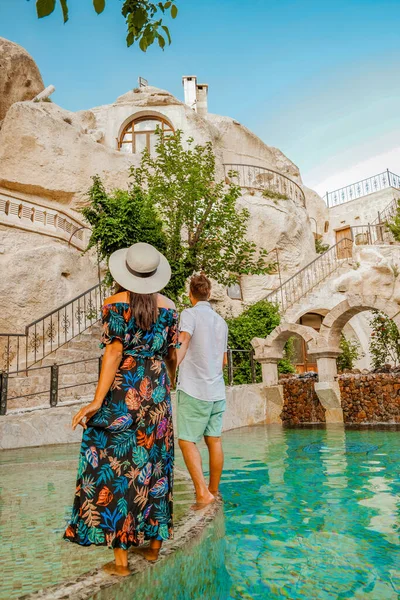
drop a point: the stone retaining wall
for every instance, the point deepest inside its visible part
(373, 398)
(301, 403)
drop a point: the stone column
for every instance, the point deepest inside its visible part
(327, 388)
(273, 391)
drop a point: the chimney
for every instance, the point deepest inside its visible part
(190, 88)
(196, 94)
(202, 99)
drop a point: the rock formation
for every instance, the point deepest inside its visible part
(20, 78)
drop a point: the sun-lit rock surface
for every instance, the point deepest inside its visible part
(20, 78)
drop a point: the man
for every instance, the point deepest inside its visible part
(201, 388)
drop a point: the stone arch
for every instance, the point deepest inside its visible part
(272, 346)
(337, 318)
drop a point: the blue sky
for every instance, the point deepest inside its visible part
(316, 78)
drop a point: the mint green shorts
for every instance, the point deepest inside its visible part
(197, 418)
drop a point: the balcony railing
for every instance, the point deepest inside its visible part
(260, 178)
(362, 188)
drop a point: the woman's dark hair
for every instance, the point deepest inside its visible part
(144, 308)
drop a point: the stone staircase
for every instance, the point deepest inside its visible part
(322, 296)
(78, 368)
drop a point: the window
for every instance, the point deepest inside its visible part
(140, 133)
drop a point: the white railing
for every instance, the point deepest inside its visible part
(31, 216)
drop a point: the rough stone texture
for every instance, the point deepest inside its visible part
(45, 150)
(373, 398)
(301, 403)
(41, 274)
(246, 405)
(318, 214)
(20, 78)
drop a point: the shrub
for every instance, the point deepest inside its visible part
(351, 351)
(385, 341)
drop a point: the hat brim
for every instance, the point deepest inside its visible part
(140, 285)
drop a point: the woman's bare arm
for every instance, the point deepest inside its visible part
(109, 367)
(172, 364)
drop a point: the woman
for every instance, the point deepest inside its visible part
(125, 474)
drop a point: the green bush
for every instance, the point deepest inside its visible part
(320, 248)
(258, 320)
(350, 353)
(385, 341)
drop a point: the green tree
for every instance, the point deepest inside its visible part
(144, 19)
(121, 219)
(385, 341)
(351, 351)
(203, 226)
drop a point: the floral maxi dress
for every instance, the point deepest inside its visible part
(125, 474)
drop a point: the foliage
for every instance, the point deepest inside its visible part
(320, 248)
(204, 229)
(274, 195)
(256, 321)
(394, 224)
(121, 219)
(351, 351)
(141, 18)
(385, 341)
(286, 365)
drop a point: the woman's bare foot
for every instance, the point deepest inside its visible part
(112, 569)
(203, 501)
(150, 554)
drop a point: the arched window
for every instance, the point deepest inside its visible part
(140, 133)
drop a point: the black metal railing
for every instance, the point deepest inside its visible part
(372, 234)
(297, 286)
(20, 351)
(388, 213)
(362, 188)
(55, 379)
(254, 177)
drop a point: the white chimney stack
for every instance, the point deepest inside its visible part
(196, 95)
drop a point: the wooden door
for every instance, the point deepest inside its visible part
(345, 249)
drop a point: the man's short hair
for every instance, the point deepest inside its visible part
(200, 287)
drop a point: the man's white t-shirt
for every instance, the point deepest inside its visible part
(200, 373)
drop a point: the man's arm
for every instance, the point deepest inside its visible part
(225, 360)
(184, 340)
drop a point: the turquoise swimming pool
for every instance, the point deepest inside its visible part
(308, 513)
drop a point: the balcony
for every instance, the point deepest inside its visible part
(266, 180)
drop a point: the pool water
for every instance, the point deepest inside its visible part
(36, 492)
(308, 513)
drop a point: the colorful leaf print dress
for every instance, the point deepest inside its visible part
(124, 485)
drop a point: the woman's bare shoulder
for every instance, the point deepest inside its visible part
(164, 302)
(120, 297)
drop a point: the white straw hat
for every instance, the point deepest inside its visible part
(141, 268)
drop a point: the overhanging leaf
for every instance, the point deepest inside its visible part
(64, 8)
(99, 6)
(44, 8)
(161, 41)
(174, 11)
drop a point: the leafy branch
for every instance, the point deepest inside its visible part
(142, 19)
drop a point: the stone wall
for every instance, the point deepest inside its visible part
(373, 398)
(246, 405)
(301, 403)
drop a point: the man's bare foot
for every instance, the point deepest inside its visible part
(112, 569)
(148, 553)
(203, 501)
(216, 493)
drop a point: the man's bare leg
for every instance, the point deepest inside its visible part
(194, 465)
(216, 453)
